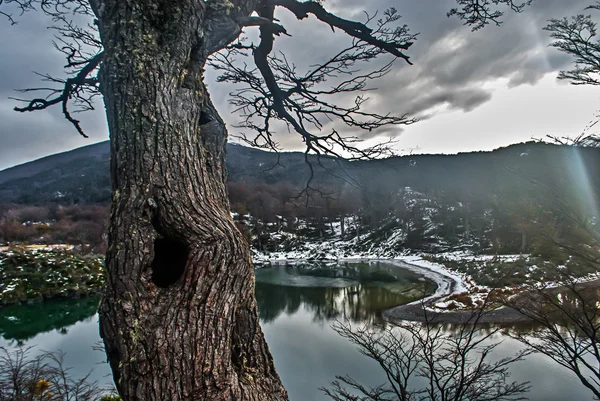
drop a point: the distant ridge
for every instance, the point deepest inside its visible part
(81, 176)
(29, 169)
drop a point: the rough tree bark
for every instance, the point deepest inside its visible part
(179, 318)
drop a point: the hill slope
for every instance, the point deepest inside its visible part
(81, 176)
(99, 150)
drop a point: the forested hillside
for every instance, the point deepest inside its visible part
(511, 200)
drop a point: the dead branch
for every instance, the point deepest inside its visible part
(275, 90)
(82, 49)
(75, 87)
(479, 13)
(577, 37)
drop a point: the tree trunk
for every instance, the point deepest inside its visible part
(523, 241)
(467, 225)
(258, 229)
(179, 317)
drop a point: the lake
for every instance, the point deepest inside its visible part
(297, 305)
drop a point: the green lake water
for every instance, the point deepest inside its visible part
(297, 305)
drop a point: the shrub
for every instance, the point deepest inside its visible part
(24, 377)
(43, 274)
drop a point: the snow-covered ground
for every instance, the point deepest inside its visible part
(448, 282)
(332, 249)
(40, 247)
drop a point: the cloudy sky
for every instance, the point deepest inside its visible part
(471, 91)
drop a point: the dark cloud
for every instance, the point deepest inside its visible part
(452, 66)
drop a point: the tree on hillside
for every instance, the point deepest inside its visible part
(576, 36)
(179, 317)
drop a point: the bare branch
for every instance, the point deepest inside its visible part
(355, 29)
(82, 49)
(585, 140)
(568, 327)
(73, 87)
(276, 90)
(577, 37)
(453, 365)
(52, 8)
(479, 13)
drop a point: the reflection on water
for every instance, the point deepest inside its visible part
(355, 292)
(297, 305)
(308, 354)
(78, 339)
(22, 322)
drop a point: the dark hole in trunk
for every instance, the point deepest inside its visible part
(205, 117)
(170, 257)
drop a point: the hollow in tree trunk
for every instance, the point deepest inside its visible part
(179, 317)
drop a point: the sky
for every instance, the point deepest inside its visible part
(470, 90)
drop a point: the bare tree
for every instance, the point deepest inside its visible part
(179, 317)
(567, 327)
(479, 13)
(424, 361)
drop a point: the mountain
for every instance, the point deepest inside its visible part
(100, 151)
(81, 176)
(78, 176)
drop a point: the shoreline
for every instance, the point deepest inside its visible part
(448, 283)
(417, 311)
